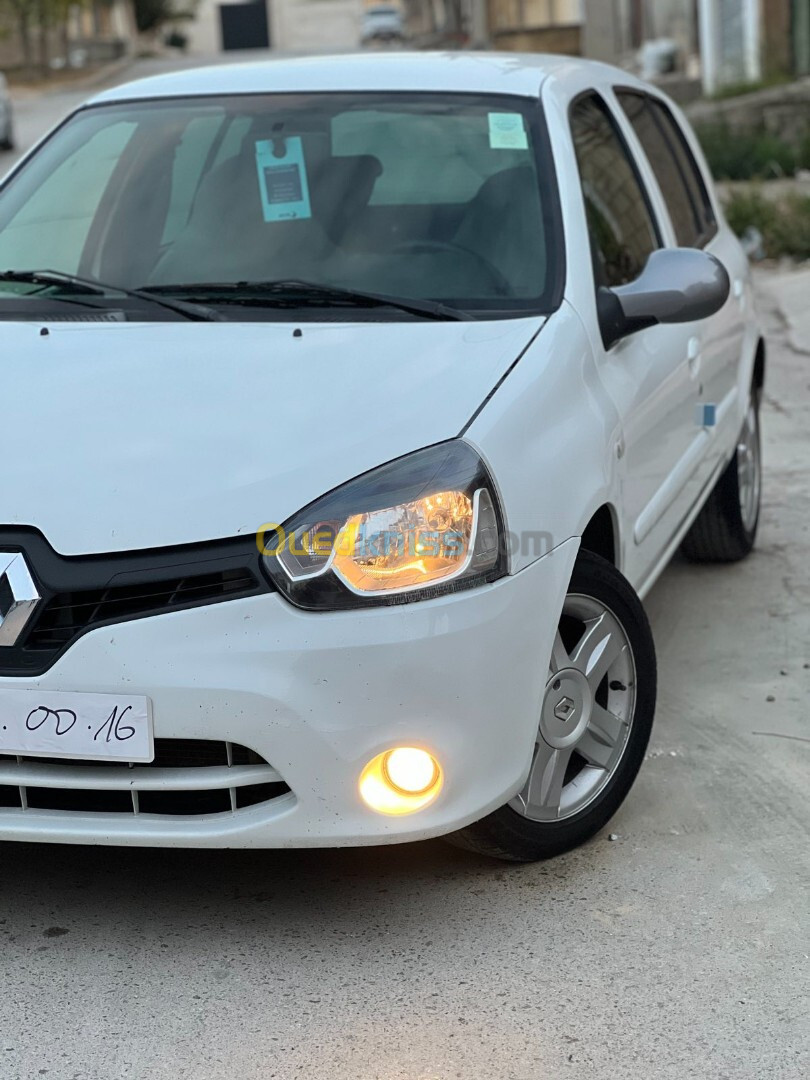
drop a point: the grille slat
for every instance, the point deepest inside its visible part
(81, 592)
(169, 593)
(188, 777)
(67, 615)
(140, 778)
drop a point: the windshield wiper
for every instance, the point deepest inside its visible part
(90, 287)
(293, 292)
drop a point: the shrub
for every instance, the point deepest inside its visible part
(750, 155)
(783, 223)
(791, 233)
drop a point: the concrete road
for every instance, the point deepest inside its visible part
(37, 111)
(679, 949)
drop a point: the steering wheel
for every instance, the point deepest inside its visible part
(500, 284)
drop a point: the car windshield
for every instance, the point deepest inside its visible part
(428, 197)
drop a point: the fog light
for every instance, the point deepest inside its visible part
(401, 781)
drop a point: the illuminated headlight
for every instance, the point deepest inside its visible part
(422, 525)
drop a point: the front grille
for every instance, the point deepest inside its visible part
(80, 593)
(187, 778)
(68, 614)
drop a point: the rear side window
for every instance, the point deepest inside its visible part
(620, 222)
(674, 166)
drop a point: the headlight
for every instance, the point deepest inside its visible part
(418, 527)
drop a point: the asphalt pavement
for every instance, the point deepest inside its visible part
(674, 945)
(37, 110)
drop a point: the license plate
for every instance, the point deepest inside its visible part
(94, 727)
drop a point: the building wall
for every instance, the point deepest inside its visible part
(98, 33)
(566, 40)
(295, 26)
(537, 25)
(315, 25)
(777, 45)
(730, 42)
(614, 30)
(204, 32)
(511, 14)
(675, 19)
(606, 30)
(801, 37)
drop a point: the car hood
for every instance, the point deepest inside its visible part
(126, 436)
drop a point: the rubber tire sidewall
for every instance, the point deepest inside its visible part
(732, 509)
(719, 533)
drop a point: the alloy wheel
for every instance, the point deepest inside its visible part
(586, 716)
(749, 474)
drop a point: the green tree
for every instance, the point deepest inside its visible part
(24, 15)
(150, 15)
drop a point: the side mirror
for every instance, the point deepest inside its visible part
(677, 285)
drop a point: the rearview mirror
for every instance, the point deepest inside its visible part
(677, 285)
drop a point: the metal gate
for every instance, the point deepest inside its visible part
(244, 26)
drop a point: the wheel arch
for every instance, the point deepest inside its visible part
(758, 375)
(601, 535)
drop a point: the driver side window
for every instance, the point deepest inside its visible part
(620, 222)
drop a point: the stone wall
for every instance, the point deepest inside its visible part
(779, 110)
(546, 39)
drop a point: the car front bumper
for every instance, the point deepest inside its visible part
(317, 696)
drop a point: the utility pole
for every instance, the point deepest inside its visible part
(479, 24)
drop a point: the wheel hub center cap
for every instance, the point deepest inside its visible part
(567, 708)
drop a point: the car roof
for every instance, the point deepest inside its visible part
(460, 72)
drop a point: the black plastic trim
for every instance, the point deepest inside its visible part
(56, 575)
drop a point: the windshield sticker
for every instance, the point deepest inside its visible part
(283, 179)
(506, 131)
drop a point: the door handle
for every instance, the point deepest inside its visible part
(693, 356)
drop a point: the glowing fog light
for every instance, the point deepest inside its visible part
(412, 771)
(401, 780)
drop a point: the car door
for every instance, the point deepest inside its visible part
(715, 344)
(647, 373)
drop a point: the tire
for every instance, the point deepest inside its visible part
(725, 530)
(599, 725)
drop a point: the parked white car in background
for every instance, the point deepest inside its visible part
(354, 403)
(382, 22)
(6, 120)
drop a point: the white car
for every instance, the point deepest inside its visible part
(6, 119)
(382, 22)
(351, 405)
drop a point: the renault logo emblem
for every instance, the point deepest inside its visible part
(564, 709)
(18, 596)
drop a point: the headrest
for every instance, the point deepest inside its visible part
(341, 187)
